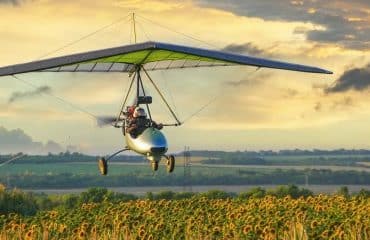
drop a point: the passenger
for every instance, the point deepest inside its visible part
(139, 122)
(130, 112)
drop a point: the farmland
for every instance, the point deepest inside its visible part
(215, 215)
(74, 170)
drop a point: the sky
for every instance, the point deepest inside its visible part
(244, 108)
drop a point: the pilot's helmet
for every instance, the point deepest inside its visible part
(139, 112)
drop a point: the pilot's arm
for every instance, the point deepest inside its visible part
(132, 125)
(157, 126)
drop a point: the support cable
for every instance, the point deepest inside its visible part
(163, 98)
(58, 98)
(84, 37)
(212, 101)
(143, 30)
(175, 31)
(203, 107)
(169, 92)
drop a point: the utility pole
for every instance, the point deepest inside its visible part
(187, 170)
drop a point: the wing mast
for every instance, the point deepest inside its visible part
(134, 25)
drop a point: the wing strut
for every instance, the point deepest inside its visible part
(178, 123)
(139, 81)
(118, 119)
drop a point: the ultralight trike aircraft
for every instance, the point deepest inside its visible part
(137, 60)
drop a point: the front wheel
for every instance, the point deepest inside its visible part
(155, 166)
(103, 166)
(170, 163)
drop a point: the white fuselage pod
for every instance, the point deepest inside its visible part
(151, 143)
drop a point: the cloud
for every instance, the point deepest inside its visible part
(337, 22)
(12, 2)
(53, 147)
(248, 48)
(318, 107)
(343, 103)
(22, 95)
(13, 141)
(250, 81)
(335, 105)
(290, 93)
(357, 79)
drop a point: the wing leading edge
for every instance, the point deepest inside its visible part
(151, 55)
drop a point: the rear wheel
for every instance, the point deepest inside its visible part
(170, 163)
(155, 166)
(103, 166)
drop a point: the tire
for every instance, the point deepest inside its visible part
(103, 166)
(170, 163)
(155, 166)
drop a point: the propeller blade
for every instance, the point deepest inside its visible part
(104, 121)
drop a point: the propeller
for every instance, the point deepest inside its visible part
(103, 121)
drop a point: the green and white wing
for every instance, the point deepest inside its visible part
(152, 56)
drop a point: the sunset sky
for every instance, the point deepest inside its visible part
(252, 110)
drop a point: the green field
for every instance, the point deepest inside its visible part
(144, 168)
(81, 171)
(92, 169)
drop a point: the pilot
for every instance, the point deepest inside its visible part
(139, 122)
(130, 111)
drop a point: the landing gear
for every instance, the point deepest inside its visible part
(170, 165)
(154, 165)
(103, 163)
(103, 166)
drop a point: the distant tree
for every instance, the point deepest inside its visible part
(184, 195)
(18, 202)
(217, 194)
(257, 192)
(290, 190)
(343, 191)
(165, 195)
(119, 197)
(149, 196)
(95, 194)
(71, 201)
(364, 193)
(44, 202)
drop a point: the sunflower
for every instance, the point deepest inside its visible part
(94, 230)
(216, 230)
(141, 233)
(314, 224)
(14, 227)
(247, 229)
(62, 228)
(82, 234)
(29, 235)
(325, 234)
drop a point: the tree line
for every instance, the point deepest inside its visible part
(242, 177)
(28, 203)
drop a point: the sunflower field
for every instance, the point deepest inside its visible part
(270, 217)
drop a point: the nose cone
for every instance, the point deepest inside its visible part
(156, 141)
(157, 138)
(151, 141)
